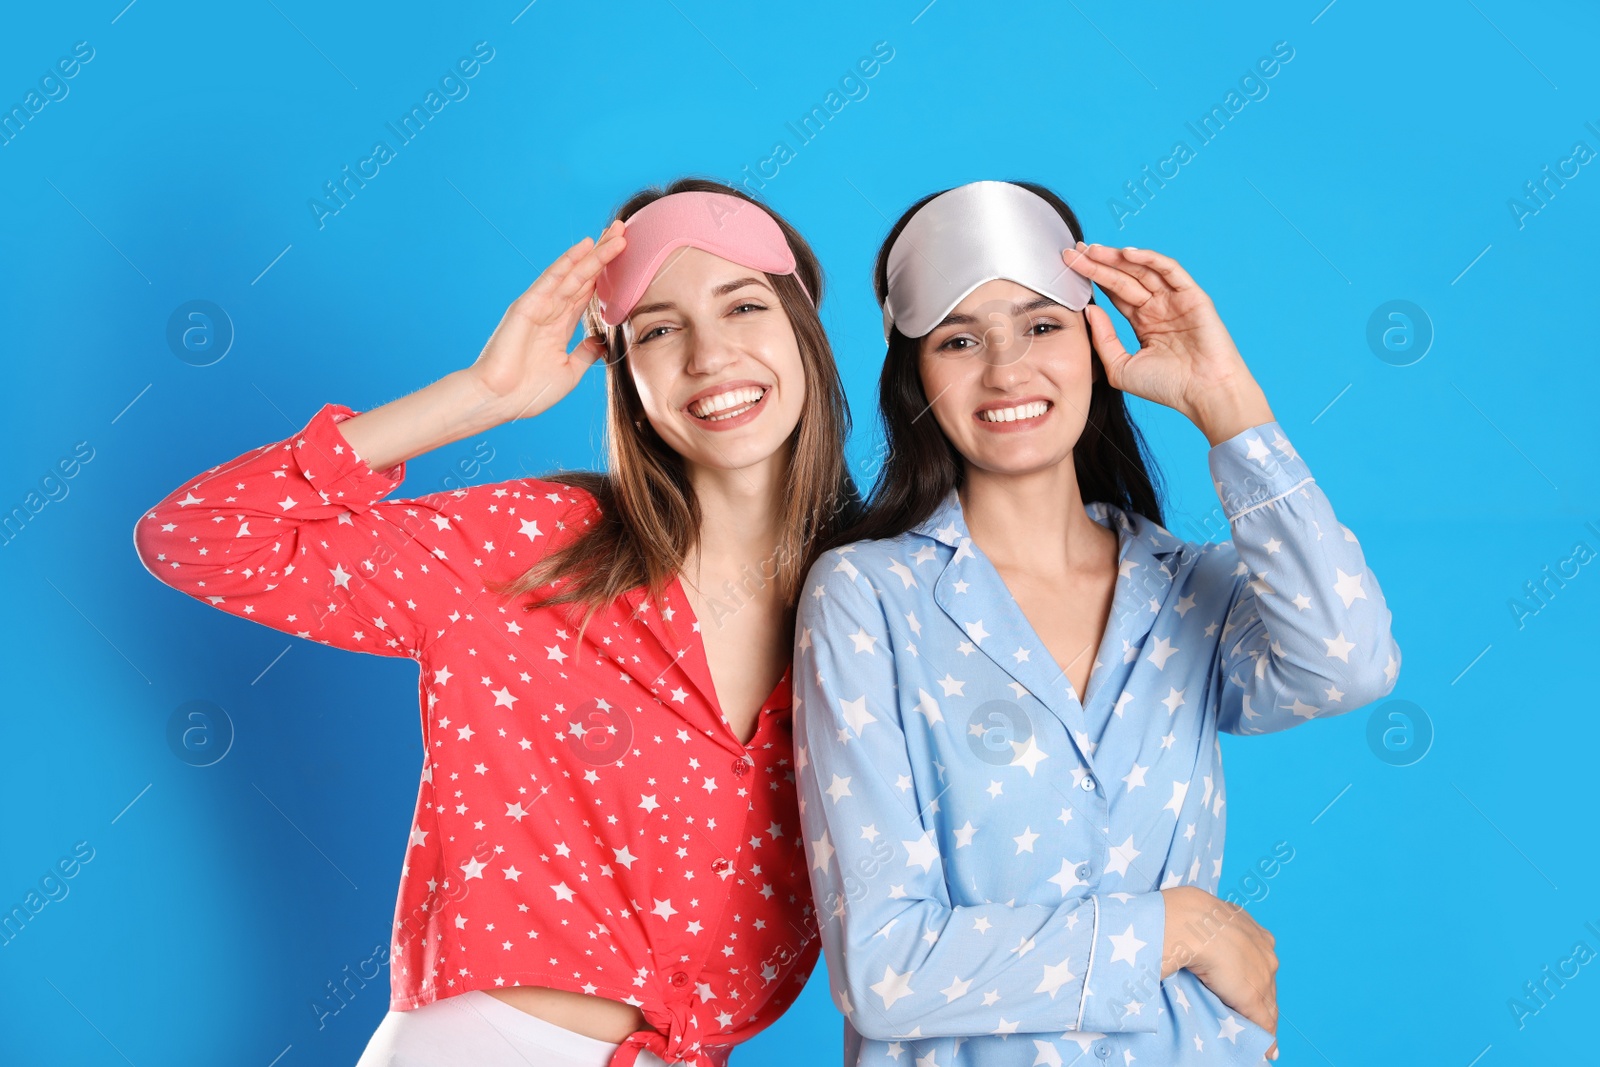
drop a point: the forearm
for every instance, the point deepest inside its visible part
(1001, 961)
(454, 407)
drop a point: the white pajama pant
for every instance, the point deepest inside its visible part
(474, 1029)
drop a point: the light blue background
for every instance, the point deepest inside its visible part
(1378, 166)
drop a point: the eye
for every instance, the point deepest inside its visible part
(1044, 326)
(957, 343)
(750, 304)
(651, 334)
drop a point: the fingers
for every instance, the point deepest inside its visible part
(1263, 1006)
(556, 271)
(575, 291)
(583, 273)
(569, 281)
(1106, 343)
(1167, 267)
(588, 352)
(1133, 262)
(1104, 335)
(1107, 268)
(551, 276)
(1154, 270)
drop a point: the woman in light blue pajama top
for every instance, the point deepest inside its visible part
(991, 853)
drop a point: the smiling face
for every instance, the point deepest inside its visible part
(1009, 374)
(715, 361)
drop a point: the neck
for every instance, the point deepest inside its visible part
(740, 516)
(1011, 515)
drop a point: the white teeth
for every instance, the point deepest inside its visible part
(1023, 411)
(712, 408)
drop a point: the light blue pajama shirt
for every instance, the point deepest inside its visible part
(987, 852)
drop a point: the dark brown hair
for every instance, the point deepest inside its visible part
(1111, 459)
(649, 518)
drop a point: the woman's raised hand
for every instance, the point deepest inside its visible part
(1186, 359)
(526, 364)
(1227, 950)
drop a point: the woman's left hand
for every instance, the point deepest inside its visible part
(1187, 360)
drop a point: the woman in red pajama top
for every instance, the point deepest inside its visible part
(605, 836)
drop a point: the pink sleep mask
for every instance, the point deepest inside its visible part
(726, 226)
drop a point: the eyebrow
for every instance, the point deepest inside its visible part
(956, 319)
(722, 290)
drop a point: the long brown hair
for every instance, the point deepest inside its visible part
(1111, 459)
(649, 518)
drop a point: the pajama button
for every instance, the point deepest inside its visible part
(679, 978)
(741, 766)
(1102, 1050)
(720, 865)
(1088, 785)
(1083, 870)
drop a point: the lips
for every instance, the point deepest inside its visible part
(725, 401)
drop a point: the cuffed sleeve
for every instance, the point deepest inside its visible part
(905, 961)
(1307, 632)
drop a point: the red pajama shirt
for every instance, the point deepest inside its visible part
(587, 819)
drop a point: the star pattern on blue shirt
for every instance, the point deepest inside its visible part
(988, 847)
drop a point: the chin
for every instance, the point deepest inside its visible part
(1016, 461)
(733, 455)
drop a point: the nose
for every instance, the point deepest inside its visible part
(710, 350)
(1004, 356)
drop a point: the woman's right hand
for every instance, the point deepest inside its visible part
(526, 365)
(1227, 950)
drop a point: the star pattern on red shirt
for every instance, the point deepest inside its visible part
(586, 819)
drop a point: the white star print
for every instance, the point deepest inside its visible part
(1348, 587)
(1067, 878)
(892, 987)
(1055, 976)
(956, 988)
(1162, 652)
(923, 852)
(1028, 754)
(1127, 946)
(863, 641)
(903, 572)
(856, 714)
(1338, 646)
(1122, 855)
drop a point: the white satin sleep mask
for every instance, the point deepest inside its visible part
(973, 234)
